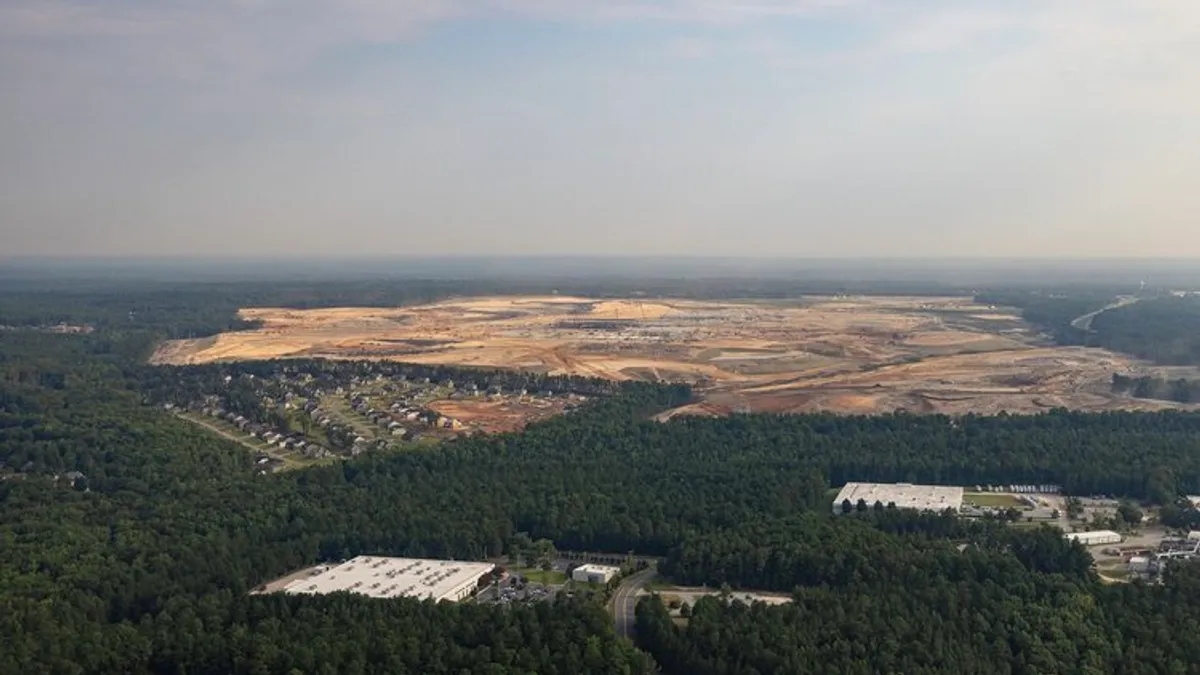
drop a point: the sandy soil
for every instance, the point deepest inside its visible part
(497, 416)
(845, 354)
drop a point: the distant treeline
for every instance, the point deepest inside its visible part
(1165, 330)
(178, 310)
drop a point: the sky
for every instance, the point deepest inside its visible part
(782, 128)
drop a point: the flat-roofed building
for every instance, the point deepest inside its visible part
(379, 577)
(902, 495)
(1095, 538)
(595, 574)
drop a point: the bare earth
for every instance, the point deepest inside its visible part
(846, 354)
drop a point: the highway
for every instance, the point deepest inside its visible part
(625, 599)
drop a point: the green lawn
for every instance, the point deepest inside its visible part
(551, 578)
(993, 500)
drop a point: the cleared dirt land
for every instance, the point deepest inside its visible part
(846, 354)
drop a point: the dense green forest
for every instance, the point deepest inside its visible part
(938, 610)
(1164, 330)
(141, 561)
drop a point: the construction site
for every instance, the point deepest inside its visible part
(860, 354)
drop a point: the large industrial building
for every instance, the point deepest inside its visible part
(595, 574)
(1095, 538)
(903, 495)
(397, 577)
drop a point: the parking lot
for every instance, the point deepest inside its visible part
(516, 588)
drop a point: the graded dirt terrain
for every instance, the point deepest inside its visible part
(845, 354)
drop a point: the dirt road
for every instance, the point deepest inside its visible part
(222, 433)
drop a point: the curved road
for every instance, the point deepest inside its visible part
(1084, 322)
(624, 601)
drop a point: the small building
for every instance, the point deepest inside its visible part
(1095, 538)
(595, 574)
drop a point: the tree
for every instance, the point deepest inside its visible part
(1074, 508)
(1129, 513)
(861, 506)
(847, 506)
(520, 548)
(545, 554)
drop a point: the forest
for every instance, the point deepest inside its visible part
(1161, 328)
(916, 605)
(1165, 330)
(142, 560)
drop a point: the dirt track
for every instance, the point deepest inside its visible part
(857, 354)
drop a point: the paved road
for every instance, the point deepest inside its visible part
(625, 601)
(1084, 322)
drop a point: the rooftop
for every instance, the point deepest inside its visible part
(598, 569)
(1093, 534)
(393, 577)
(903, 495)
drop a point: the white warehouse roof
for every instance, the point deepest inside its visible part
(397, 577)
(605, 571)
(1095, 537)
(903, 495)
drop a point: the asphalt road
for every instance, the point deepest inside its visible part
(625, 601)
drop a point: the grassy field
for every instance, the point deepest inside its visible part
(551, 578)
(998, 501)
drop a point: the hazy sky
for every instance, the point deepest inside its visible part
(729, 127)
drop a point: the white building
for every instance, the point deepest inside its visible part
(903, 495)
(1095, 538)
(595, 574)
(377, 577)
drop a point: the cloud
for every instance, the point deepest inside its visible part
(844, 117)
